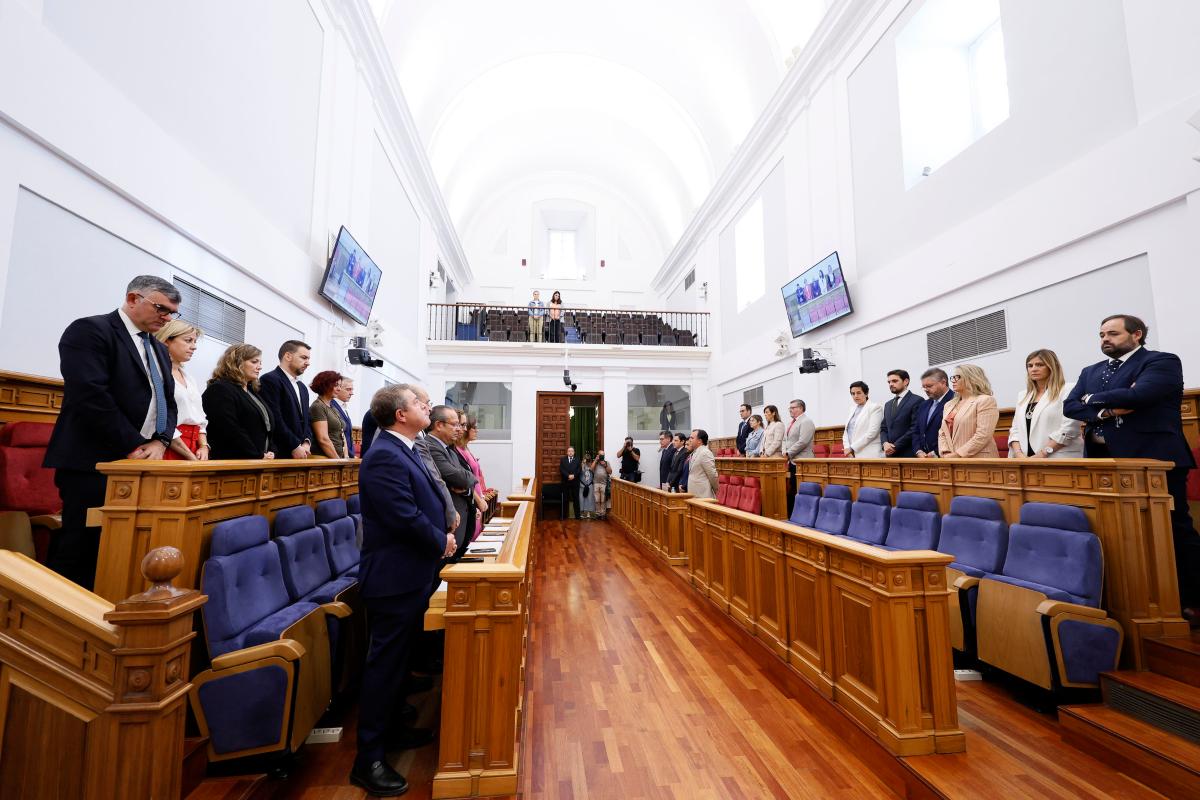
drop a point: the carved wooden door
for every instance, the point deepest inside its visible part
(554, 430)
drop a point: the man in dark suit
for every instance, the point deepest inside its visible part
(438, 444)
(1130, 404)
(666, 454)
(404, 542)
(677, 478)
(898, 416)
(341, 395)
(569, 467)
(927, 419)
(288, 399)
(369, 431)
(118, 402)
(743, 428)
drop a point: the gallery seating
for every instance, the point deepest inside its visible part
(304, 553)
(341, 534)
(722, 489)
(976, 535)
(833, 510)
(751, 499)
(869, 515)
(733, 495)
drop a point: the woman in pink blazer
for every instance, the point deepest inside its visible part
(969, 420)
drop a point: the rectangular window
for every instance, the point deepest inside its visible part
(489, 403)
(561, 254)
(750, 255)
(654, 408)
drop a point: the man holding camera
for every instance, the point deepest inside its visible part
(630, 456)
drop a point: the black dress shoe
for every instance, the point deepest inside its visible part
(379, 779)
(415, 684)
(410, 738)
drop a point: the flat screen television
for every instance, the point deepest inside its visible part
(351, 278)
(817, 296)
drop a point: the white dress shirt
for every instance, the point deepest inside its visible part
(296, 390)
(190, 405)
(148, 425)
(409, 443)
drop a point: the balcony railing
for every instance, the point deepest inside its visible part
(475, 322)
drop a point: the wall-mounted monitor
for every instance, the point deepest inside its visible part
(351, 278)
(817, 296)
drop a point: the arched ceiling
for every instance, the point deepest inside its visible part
(647, 98)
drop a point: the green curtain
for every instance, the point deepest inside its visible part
(583, 430)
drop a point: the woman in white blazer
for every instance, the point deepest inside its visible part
(861, 438)
(772, 441)
(1039, 428)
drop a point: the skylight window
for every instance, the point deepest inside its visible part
(750, 255)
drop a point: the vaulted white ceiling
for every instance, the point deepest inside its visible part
(648, 98)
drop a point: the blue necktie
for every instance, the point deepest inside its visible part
(156, 380)
(1110, 369)
(932, 408)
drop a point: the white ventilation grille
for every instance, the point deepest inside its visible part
(753, 397)
(218, 318)
(968, 339)
(689, 280)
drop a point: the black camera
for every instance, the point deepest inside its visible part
(359, 354)
(567, 380)
(810, 362)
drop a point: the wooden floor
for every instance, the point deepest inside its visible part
(639, 689)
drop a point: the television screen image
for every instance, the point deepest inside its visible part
(351, 279)
(818, 296)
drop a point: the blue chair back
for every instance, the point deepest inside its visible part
(1053, 548)
(804, 512)
(869, 515)
(243, 579)
(974, 532)
(340, 530)
(302, 550)
(833, 510)
(915, 523)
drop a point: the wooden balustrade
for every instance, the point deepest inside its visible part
(486, 619)
(654, 517)
(149, 504)
(867, 627)
(1125, 500)
(92, 694)
(29, 398)
(772, 474)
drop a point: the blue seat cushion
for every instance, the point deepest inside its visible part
(833, 515)
(238, 534)
(340, 544)
(294, 518)
(330, 510)
(271, 628)
(804, 512)
(329, 591)
(245, 710)
(353, 504)
(1069, 561)
(868, 522)
(915, 523)
(243, 589)
(974, 533)
(837, 491)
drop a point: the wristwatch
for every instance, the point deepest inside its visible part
(1048, 451)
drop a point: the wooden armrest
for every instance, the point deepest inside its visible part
(965, 582)
(336, 609)
(287, 649)
(51, 521)
(1052, 608)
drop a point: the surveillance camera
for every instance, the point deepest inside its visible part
(363, 357)
(574, 387)
(567, 379)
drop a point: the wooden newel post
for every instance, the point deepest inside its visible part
(141, 748)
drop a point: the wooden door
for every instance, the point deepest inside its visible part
(553, 434)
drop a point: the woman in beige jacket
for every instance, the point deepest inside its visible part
(772, 441)
(969, 421)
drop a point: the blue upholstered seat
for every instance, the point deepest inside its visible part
(306, 569)
(804, 512)
(869, 515)
(974, 532)
(915, 523)
(833, 510)
(1053, 551)
(340, 531)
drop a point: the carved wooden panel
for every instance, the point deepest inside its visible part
(553, 434)
(29, 398)
(45, 738)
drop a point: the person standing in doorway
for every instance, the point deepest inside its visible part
(569, 469)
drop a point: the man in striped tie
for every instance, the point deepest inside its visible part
(118, 402)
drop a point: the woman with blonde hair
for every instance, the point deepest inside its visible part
(969, 421)
(191, 430)
(239, 424)
(1040, 429)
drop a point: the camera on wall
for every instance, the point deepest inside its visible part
(811, 362)
(567, 380)
(360, 354)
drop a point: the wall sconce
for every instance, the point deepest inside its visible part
(522, 262)
(704, 290)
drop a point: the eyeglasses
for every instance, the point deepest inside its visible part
(956, 377)
(163, 311)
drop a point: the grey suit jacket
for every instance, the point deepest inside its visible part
(449, 472)
(702, 473)
(798, 442)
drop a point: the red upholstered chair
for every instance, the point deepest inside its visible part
(27, 489)
(836, 450)
(1193, 485)
(722, 488)
(734, 495)
(751, 499)
(1001, 443)
(821, 451)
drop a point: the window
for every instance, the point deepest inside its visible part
(953, 81)
(655, 408)
(750, 257)
(562, 262)
(489, 403)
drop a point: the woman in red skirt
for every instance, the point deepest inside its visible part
(191, 434)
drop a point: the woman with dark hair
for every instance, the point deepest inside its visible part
(772, 444)
(666, 417)
(328, 427)
(239, 424)
(554, 334)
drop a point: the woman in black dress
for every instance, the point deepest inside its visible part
(239, 424)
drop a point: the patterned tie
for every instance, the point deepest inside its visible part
(1109, 370)
(156, 381)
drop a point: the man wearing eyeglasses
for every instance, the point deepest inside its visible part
(118, 402)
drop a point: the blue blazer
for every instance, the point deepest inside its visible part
(293, 422)
(924, 435)
(403, 521)
(897, 424)
(369, 431)
(105, 394)
(1150, 383)
(743, 432)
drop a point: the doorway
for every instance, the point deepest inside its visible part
(566, 418)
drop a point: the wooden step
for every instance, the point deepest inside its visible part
(1163, 761)
(1181, 694)
(195, 763)
(1175, 657)
(237, 787)
(1163, 702)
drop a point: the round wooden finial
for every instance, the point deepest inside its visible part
(160, 566)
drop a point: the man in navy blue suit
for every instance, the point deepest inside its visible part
(118, 402)
(404, 542)
(928, 417)
(743, 427)
(342, 394)
(1130, 403)
(287, 397)
(898, 416)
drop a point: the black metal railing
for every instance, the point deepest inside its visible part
(476, 322)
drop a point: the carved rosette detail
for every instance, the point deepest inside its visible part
(504, 597)
(1126, 482)
(123, 491)
(460, 597)
(898, 579)
(172, 491)
(1106, 481)
(139, 680)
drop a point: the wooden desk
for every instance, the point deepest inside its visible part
(1125, 500)
(149, 504)
(772, 474)
(655, 518)
(29, 398)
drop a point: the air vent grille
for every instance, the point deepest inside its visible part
(753, 397)
(689, 280)
(217, 317)
(968, 339)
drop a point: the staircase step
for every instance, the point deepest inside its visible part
(195, 763)
(1164, 703)
(1176, 657)
(1167, 763)
(238, 787)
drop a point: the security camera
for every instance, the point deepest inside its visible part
(574, 387)
(811, 362)
(567, 378)
(359, 354)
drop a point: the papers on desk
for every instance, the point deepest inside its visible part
(500, 521)
(483, 549)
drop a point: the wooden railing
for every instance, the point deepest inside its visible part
(29, 398)
(149, 504)
(867, 628)
(575, 325)
(92, 694)
(1125, 500)
(654, 517)
(486, 619)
